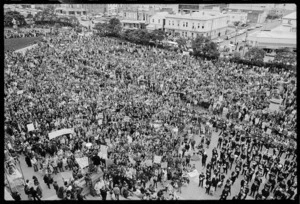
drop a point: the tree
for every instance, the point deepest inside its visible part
(157, 35)
(255, 54)
(29, 15)
(102, 28)
(181, 42)
(204, 46)
(285, 56)
(114, 27)
(10, 15)
(236, 56)
(47, 15)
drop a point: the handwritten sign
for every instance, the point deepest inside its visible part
(157, 159)
(164, 165)
(20, 92)
(82, 162)
(30, 127)
(103, 149)
(129, 139)
(148, 162)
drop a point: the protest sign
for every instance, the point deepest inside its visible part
(132, 160)
(107, 141)
(269, 131)
(103, 149)
(157, 159)
(60, 132)
(20, 92)
(148, 162)
(30, 127)
(126, 119)
(100, 122)
(82, 162)
(274, 107)
(88, 145)
(129, 139)
(109, 162)
(164, 165)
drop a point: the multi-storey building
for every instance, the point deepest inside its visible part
(281, 36)
(257, 13)
(157, 21)
(207, 23)
(236, 16)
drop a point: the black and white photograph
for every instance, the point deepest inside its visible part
(150, 102)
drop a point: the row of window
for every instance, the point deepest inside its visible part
(185, 24)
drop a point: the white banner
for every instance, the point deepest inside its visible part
(82, 162)
(60, 132)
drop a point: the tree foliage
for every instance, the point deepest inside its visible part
(181, 42)
(157, 35)
(10, 15)
(204, 46)
(285, 56)
(114, 27)
(255, 54)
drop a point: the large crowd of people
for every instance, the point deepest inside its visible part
(142, 102)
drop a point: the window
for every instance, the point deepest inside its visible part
(183, 24)
(182, 34)
(202, 27)
(178, 23)
(198, 25)
(158, 20)
(169, 22)
(172, 22)
(186, 24)
(193, 26)
(185, 34)
(152, 20)
(192, 35)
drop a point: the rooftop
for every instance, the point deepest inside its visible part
(161, 14)
(202, 15)
(273, 34)
(290, 16)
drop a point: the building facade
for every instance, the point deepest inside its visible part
(204, 23)
(69, 11)
(236, 16)
(157, 21)
(257, 13)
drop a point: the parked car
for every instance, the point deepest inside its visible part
(251, 28)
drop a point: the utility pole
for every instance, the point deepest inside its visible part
(211, 28)
(245, 43)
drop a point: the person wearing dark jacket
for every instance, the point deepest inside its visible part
(28, 161)
(47, 180)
